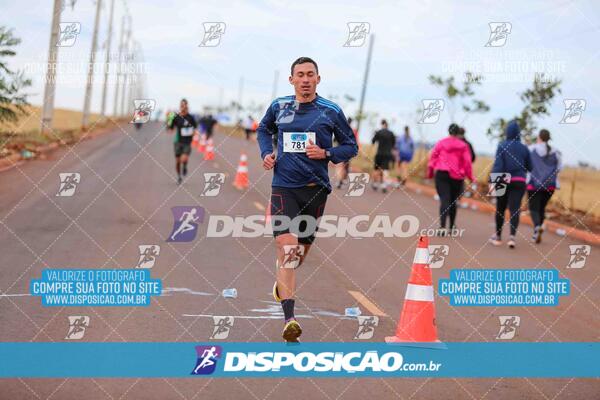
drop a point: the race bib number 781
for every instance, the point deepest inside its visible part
(296, 142)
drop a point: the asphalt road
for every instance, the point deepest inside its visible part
(124, 200)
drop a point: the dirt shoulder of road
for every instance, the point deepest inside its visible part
(24, 142)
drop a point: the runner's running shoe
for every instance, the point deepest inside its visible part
(292, 331)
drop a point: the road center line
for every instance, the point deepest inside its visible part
(368, 304)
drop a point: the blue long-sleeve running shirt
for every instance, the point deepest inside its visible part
(321, 116)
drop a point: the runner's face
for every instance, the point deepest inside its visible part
(183, 107)
(305, 80)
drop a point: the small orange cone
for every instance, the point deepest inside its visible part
(417, 319)
(195, 141)
(241, 177)
(201, 143)
(209, 154)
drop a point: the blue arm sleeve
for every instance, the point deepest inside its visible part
(347, 147)
(266, 129)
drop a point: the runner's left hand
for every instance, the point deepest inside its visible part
(314, 152)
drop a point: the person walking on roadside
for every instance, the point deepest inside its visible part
(461, 136)
(405, 146)
(514, 158)
(546, 163)
(449, 163)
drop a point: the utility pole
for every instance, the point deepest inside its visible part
(134, 86)
(127, 53)
(275, 79)
(107, 64)
(117, 89)
(220, 101)
(240, 95)
(364, 86)
(48, 106)
(90, 75)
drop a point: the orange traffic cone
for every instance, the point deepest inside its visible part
(241, 177)
(202, 143)
(417, 319)
(209, 154)
(195, 141)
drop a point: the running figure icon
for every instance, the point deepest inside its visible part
(186, 220)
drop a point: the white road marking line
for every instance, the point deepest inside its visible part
(368, 304)
(248, 316)
(259, 206)
(167, 291)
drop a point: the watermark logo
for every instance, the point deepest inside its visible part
(357, 33)
(142, 110)
(574, 109)
(287, 111)
(64, 5)
(499, 32)
(357, 226)
(292, 255)
(185, 224)
(212, 183)
(148, 254)
(68, 34)
(432, 109)
(222, 326)
(508, 326)
(77, 326)
(357, 183)
(213, 31)
(68, 183)
(498, 183)
(437, 255)
(207, 359)
(579, 254)
(366, 326)
(431, 232)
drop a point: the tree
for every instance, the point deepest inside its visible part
(453, 93)
(12, 99)
(537, 100)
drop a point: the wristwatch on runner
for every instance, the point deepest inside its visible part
(327, 154)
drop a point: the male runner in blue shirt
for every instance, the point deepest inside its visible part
(304, 124)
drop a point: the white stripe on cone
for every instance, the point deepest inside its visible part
(421, 256)
(242, 168)
(419, 292)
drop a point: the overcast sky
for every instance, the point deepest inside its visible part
(413, 39)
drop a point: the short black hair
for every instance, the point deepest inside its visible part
(453, 129)
(303, 60)
(383, 122)
(184, 101)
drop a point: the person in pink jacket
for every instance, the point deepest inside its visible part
(450, 164)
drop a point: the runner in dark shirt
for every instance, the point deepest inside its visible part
(185, 127)
(384, 157)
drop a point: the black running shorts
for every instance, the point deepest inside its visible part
(383, 161)
(307, 203)
(182, 148)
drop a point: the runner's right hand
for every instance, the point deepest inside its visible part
(269, 161)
